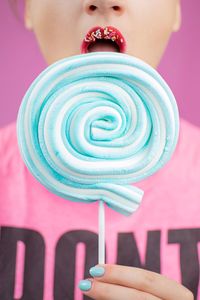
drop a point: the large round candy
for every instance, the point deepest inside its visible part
(90, 125)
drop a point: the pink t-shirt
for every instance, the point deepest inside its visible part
(48, 244)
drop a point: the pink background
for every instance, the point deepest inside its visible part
(21, 62)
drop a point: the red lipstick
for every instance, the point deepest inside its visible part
(107, 33)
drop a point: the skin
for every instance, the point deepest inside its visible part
(59, 27)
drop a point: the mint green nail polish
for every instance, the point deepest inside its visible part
(85, 285)
(97, 271)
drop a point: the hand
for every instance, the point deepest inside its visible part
(128, 283)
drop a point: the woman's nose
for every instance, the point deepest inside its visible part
(104, 6)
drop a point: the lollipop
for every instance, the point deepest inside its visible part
(92, 124)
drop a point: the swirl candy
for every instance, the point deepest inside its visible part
(92, 124)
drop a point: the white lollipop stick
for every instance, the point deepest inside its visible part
(101, 245)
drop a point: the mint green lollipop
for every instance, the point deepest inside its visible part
(91, 125)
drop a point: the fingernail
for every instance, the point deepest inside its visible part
(97, 271)
(85, 285)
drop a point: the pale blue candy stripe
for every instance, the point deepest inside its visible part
(89, 125)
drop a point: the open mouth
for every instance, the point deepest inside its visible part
(103, 45)
(103, 39)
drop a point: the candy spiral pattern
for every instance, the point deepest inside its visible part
(91, 124)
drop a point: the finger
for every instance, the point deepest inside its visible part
(146, 281)
(106, 291)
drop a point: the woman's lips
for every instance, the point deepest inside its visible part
(103, 39)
